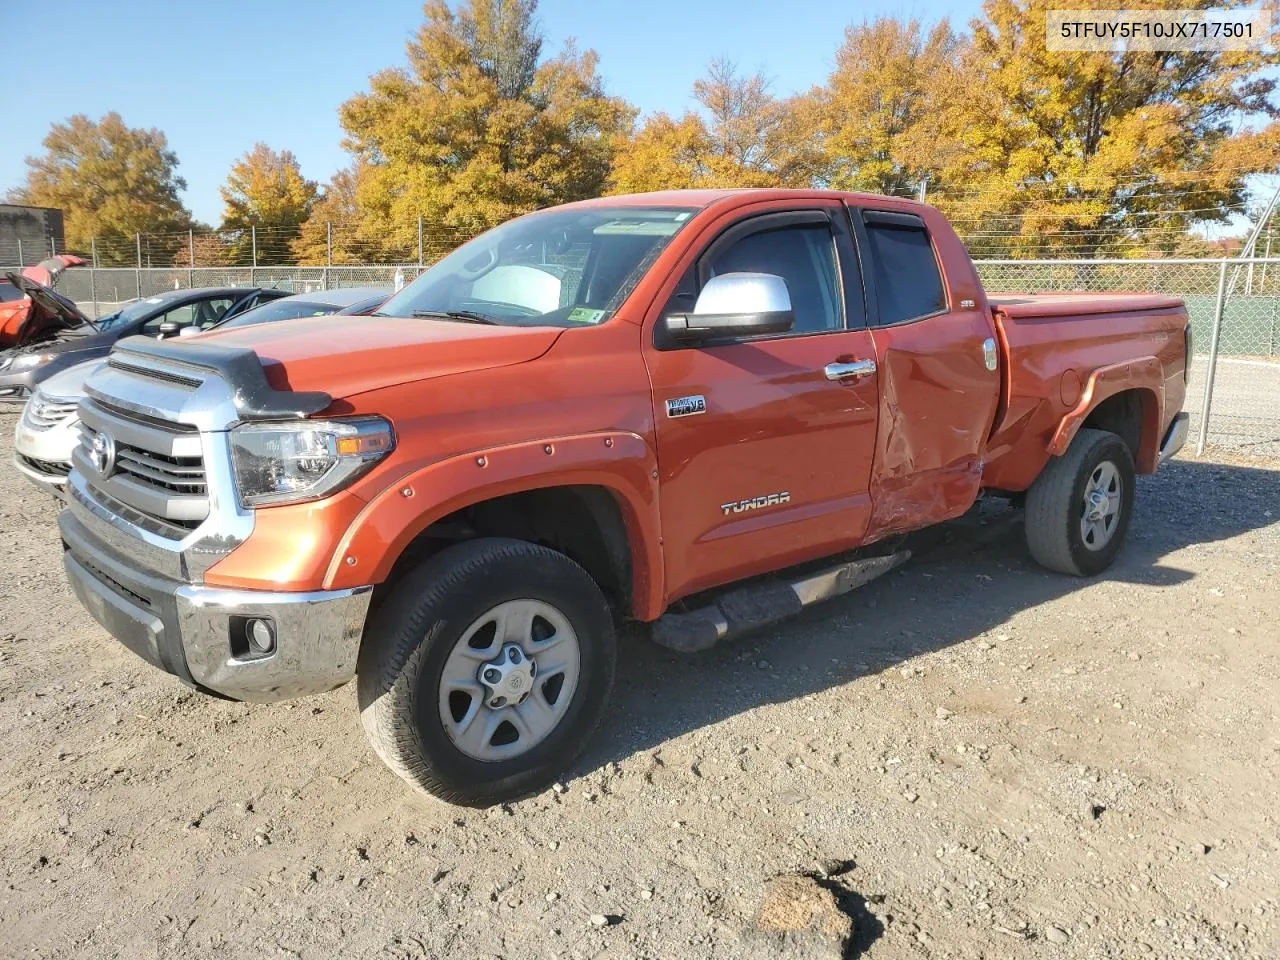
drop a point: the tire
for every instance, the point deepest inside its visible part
(413, 665)
(1056, 508)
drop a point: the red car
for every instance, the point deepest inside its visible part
(23, 318)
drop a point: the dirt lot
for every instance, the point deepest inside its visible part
(990, 761)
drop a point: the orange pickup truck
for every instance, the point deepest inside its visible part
(697, 410)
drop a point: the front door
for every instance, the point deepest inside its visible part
(765, 445)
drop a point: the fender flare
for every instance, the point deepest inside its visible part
(1144, 374)
(621, 462)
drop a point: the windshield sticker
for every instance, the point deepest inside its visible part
(585, 315)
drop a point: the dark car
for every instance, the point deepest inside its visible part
(350, 301)
(74, 338)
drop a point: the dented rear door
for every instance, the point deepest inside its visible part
(937, 364)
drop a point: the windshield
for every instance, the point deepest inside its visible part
(286, 309)
(126, 315)
(560, 268)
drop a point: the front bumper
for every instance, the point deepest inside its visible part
(187, 629)
(44, 456)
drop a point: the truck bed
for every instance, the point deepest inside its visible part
(1051, 343)
(1077, 304)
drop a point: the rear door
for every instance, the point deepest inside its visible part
(936, 359)
(765, 444)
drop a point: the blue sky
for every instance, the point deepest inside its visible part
(219, 75)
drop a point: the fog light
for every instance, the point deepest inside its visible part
(261, 636)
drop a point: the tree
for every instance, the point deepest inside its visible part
(478, 128)
(1081, 153)
(748, 138)
(267, 192)
(334, 221)
(111, 182)
(884, 112)
(208, 247)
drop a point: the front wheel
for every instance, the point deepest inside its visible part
(1078, 509)
(485, 672)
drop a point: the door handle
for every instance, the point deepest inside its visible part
(850, 371)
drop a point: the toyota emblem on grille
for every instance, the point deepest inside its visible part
(102, 454)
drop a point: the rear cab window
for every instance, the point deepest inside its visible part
(903, 266)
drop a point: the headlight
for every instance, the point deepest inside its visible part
(25, 361)
(305, 459)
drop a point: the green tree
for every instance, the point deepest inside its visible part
(478, 127)
(267, 193)
(111, 181)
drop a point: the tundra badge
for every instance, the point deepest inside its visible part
(686, 406)
(755, 503)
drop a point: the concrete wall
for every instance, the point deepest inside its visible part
(35, 227)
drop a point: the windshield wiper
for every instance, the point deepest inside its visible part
(463, 316)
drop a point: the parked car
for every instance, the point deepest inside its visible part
(348, 301)
(22, 318)
(49, 427)
(457, 505)
(66, 336)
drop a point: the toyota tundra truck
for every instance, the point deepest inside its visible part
(699, 410)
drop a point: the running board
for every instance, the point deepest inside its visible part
(751, 608)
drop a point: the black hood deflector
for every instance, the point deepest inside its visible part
(239, 367)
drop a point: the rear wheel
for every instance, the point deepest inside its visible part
(485, 672)
(1078, 509)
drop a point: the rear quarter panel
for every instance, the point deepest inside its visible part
(1063, 362)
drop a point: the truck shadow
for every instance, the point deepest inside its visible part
(965, 578)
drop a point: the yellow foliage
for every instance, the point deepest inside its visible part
(110, 181)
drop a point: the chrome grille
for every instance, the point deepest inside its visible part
(49, 468)
(156, 467)
(179, 474)
(44, 412)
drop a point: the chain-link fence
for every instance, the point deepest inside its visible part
(1234, 304)
(1234, 392)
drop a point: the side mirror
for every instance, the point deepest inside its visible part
(189, 331)
(735, 305)
(169, 328)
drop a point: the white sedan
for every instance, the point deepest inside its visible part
(48, 431)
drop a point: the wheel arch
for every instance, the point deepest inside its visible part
(1125, 399)
(591, 497)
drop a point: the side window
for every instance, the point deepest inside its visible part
(804, 256)
(908, 283)
(182, 316)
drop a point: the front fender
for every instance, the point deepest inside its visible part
(619, 461)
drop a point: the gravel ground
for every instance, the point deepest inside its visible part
(974, 758)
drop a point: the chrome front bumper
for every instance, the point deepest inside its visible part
(1176, 437)
(191, 631)
(32, 449)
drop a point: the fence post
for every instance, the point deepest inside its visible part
(191, 259)
(253, 239)
(328, 251)
(93, 274)
(137, 237)
(1213, 358)
(419, 241)
(21, 260)
(53, 246)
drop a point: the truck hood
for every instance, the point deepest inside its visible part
(344, 356)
